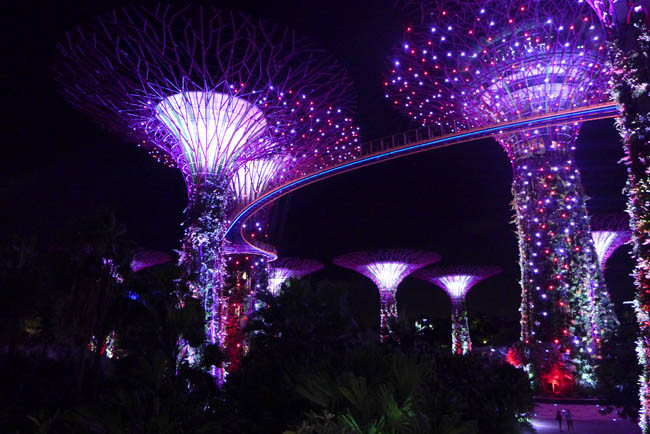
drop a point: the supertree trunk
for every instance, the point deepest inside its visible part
(460, 340)
(247, 274)
(565, 303)
(629, 48)
(202, 260)
(387, 312)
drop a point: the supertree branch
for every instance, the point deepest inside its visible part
(386, 268)
(456, 281)
(474, 63)
(234, 103)
(628, 33)
(286, 268)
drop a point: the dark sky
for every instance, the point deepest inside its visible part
(57, 165)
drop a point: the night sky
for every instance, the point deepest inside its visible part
(57, 165)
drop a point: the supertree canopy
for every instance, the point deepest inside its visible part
(283, 269)
(457, 281)
(474, 63)
(610, 231)
(386, 268)
(214, 94)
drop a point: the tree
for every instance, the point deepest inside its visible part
(628, 33)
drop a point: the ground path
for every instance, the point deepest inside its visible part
(586, 420)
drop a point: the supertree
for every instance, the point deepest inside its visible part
(627, 23)
(386, 268)
(610, 231)
(456, 281)
(209, 93)
(475, 63)
(286, 268)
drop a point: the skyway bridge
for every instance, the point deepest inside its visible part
(400, 145)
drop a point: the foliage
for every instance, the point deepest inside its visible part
(79, 287)
(204, 269)
(299, 327)
(309, 361)
(629, 48)
(311, 367)
(618, 372)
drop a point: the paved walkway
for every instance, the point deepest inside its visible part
(586, 420)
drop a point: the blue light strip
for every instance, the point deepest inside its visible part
(483, 132)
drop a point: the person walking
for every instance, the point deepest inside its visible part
(558, 417)
(569, 422)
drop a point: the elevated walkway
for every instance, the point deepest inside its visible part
(403, 144)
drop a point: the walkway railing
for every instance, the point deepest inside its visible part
(400, 145)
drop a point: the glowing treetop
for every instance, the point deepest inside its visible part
(472, 63)
(457, 281)
(283, 269)
(610, 231)
(387, 268)
(218, 95)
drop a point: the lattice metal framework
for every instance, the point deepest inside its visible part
(386, 268)
(209, 91)
(283, 269)
(235, 103)
(456, 281)
(472, 63)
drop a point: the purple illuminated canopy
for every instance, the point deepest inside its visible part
(283, 269)
(386, 268)
(610, 231)
(210, 92)
(474, 63)
(456, 281)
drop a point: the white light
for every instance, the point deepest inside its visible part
(211, 129)
(387, 275)
(252, 179)
(457, 285)
(277, 276)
